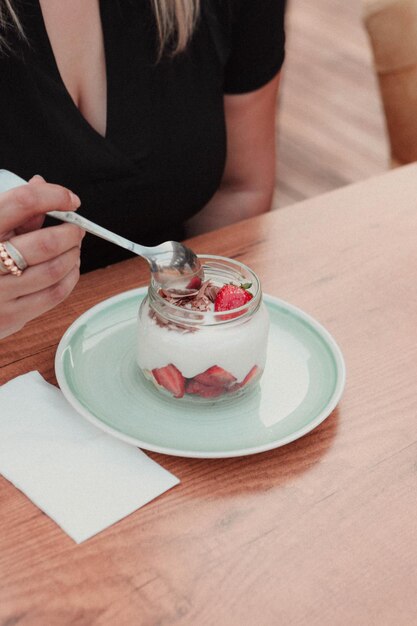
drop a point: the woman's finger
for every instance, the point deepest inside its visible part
(39, 277)
(15, 313)
(34, 223)
(20, 204)
(47, 243)
(30, 306)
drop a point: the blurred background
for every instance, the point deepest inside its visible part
(331, 127)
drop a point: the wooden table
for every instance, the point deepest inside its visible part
(322, 531)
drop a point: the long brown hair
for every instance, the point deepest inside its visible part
(175, 21)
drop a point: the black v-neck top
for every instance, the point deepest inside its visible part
(164, 150)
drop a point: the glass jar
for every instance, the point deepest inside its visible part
(204, 356)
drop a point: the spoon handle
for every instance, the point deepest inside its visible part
(8, 180)
(91, 227)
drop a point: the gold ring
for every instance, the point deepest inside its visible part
(7, 263)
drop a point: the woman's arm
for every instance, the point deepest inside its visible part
(248, 182)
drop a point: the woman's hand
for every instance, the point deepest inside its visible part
(52, 254)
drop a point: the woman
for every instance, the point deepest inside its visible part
(130, 105)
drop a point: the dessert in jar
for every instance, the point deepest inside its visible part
(207, 342)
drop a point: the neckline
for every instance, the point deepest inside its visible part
(50, 57)
(129, 72)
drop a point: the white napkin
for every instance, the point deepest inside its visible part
(84, 479)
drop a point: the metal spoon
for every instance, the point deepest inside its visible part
(171, 262)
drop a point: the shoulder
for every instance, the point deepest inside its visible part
(251, 16)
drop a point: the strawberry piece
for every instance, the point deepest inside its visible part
(215, 376)
(171, 379)
(195, 283)
(251, 374)
(231, 297)
(193, 386)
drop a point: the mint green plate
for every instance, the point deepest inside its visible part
(302, 383)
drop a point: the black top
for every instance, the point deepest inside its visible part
(163, 154)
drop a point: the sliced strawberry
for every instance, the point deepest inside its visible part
(195, 283)
(250, 375)
(215, 376)
(193, 386)
(231, 297)
(171, 379)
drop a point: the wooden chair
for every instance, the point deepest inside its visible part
(392, 30)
